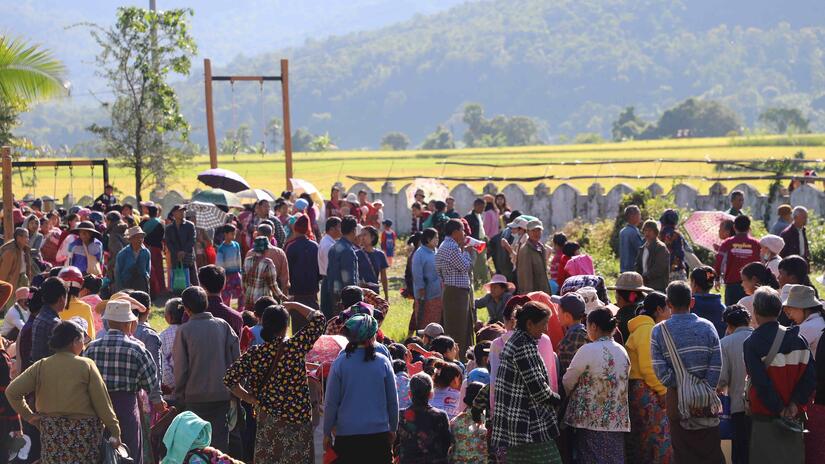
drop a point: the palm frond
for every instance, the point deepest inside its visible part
(28, 72)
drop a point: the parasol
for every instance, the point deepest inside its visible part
(703, 227)
(218, 197)
(432, 188)
(326, 349)
(300, 186)
(224, 179)
(207, 215)
(255, 195)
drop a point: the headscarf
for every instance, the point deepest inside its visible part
(186, 432)
(301, 224)
(361, 327)
(358, 308)
(261, 244)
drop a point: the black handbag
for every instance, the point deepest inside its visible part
(110, 455)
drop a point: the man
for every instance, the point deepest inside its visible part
(15, 260)
(430, 333)
(571, 316)
(653, 263)
(213, 279)
(302, 256)
(796, 236)
(127, 368)
(333, 233)
(785, 218)
(697, 347)
(630, 239)
(260, 278)
(53, 292)
(133, 263)
(277, 256)
(342, 267)
(532, 259)
(205, 347)
(108, 197)
(782, 380)
(450, 210)
(737, 201)
(180, 240)
(263, 213)
(115, 241)
(735, 253)
(453, 264)
(17, 315)
(480, 272)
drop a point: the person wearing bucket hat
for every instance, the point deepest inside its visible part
(780, 383)
(133, 265)
(532, 261)
(630, 291)
(361, 401)
(805, 311)
(499, 292)
(770, 247)
(86, 251)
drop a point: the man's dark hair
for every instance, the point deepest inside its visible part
(742, 223)
(52, 290)
(727, 224)
(373, 235)
(416, 205)
(559, 239)
(678, 294)
(350, 295)
(261, 304)
(428, 234)
(440, 205)
(477, 202)
(766, 302)
(212, 278)
(452, 226)
(332, 223)
(737, 194)
(194, 299)
(348, 224)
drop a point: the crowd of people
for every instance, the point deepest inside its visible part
(516, 349)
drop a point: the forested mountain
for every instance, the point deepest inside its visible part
(572, 65)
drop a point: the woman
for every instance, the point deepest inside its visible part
(361, 402)
(670, 236)
(524, 418)
(153, 229)
(272, 378)
(73, 280)
(469, 429)
(650, 438)
(447, 394)
(770, 247)
(187, 441)
(71, 401)
(133, 263)
(503, 209)
(597, 382)
(32, 224)
(794, 270)
(372, 262)
(86, 252)
(334, 203)
(490, 219)
(426, 281)
(806, 311)
(413, 243)
(732, 379)
(755, 275)
(423, 431)
(707, 305)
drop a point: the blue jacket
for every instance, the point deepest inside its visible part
(698, 346)
(630, 241)
(709, 306)
(126, 264)
(342, 266)
(424, 274)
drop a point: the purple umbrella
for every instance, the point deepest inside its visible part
(223, 179)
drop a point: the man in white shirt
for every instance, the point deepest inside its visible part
(332, 233)
(17, 315)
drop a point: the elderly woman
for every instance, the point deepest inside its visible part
(272, 377)
(361, 403)
(71, 400)
(524, 417)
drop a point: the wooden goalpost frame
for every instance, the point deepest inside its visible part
(210, 115)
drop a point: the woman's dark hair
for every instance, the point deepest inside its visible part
(249, 318)
(398, 351)
(532, 311)
(174, 308)
(415, 239)
(35, 300)
(513, 305)
(652, 303)
(428, 234)
(429, 365)
(64, 334)
(153, 211)
(703, 277)
(308, 198)
(761, 273)
(445, 373)
(569, 249)
(797, 268)
(421, 386)
(490, 206)
(373, 235)
(440, 205)
(399, 366)
(142, 298)
(262, 303)
(631, 296)
(273, 322)
(727, 224)
(603, 318)
(737, 316)
(92, 283)
(442, 344)
(52, 290)
(470, 392)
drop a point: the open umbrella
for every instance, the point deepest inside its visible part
(433, 189)
(218, 197)
(703, 227)
(326, 349)
(300, 186)
(224, 179)
(207, 215)
(255, 195)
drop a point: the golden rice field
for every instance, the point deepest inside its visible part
(324, 169)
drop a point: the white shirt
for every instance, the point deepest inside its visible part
(801, 242)
(13, 320)
(323, 253)
(811, 328)
(645, 255)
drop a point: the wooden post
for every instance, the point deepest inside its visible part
(287, 126)
(8, 197)
(105, 172)
(210, 117)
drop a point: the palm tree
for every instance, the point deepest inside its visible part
(27, 72)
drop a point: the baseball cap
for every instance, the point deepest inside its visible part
(432, 330)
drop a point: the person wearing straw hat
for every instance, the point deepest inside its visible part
(133, 263)
(630, 292)
(532, 261)
(86, 252)
(499, 291)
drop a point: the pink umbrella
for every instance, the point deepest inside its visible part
(703, 227)
(326, 349)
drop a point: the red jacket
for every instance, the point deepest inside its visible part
(734, 254)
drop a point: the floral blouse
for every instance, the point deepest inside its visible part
(423, 436)
(469, 440)
(286, 394)
(597, 380)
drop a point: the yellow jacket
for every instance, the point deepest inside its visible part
(638, 348)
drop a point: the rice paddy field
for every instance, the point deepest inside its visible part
(324, 169)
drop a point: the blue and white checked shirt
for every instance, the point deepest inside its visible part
(126, 366)
(453, 264)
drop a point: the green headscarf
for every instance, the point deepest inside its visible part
(186, 432)
(361, 327)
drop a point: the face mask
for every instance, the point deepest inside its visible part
(766, 257)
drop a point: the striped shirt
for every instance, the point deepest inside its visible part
(453, 264)
(697, 344)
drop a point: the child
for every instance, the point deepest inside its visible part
(447, 395)
(481, 356)
(258, 310)
(173, 313)
(448, 349)
(388, 238)
(229, 258)
(469, 431)
(402, 383)
(559, 239)
(246, 337)
(575, 336)
(499, 292)
(90, 294)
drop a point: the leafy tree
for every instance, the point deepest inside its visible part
(395, 141)
(230, 144)
(9, 112)
(628, 126)
(698, 118)
(275, 131)
(244, 136)
(781, 120)
(588, 137)
(136, 55)
(28, 73)
(441, 139)
(322, 143)
(499, 131)
(302, 140)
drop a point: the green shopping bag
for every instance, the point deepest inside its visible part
(180, 278)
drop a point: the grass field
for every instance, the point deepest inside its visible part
(324, 169)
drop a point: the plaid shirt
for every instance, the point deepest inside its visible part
(125, 364)
(574, 338)
(260, 278)
(335, 326)
(524, 410)
(42, 328)
(453, 264)
(167, 342)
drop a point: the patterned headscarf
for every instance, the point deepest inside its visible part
(361, 327)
